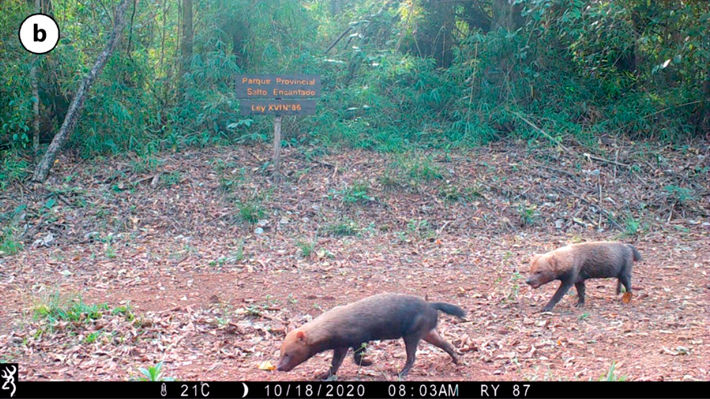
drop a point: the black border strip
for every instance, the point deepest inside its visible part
(366, 389)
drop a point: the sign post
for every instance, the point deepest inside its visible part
(276, 159)
(277, 95)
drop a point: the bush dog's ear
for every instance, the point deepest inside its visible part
(553, 262)
(535, 257)
(301, 336)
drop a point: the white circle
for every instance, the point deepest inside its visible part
(39, 34)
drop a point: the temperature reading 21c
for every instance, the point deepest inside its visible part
(201, 390)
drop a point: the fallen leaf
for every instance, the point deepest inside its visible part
(626, 298)
(266, 365)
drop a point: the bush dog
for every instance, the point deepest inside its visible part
(575, 263)
(383, 316)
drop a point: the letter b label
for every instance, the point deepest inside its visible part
(39, 34)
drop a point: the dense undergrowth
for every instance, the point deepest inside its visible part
(406, 74)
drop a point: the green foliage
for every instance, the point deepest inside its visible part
(9, 244)
(251, 211)
(109, 247)
(234, 257)
(453, 192)
(238, 255)
(74, 309)
(170, 179)
(115, 116)
(110, 251)
(228, 183)
(13, 168)
(515, 285)
(91, 337)
(680, 195)
(389, 179)
(528, 214)
(153, 373)
(144, 165)
(450, 192)
(342, 228)
(15, 90)
(420, 228)
(306, 247)
(632, 226)
(210, 104)
(419, 168)
(355, 193)
(411, 170)
(611, 374)
(124, 310)
(407, 75)
(229, 175)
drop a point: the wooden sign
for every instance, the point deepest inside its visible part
(277, 107)
(278, 86)
(277, 95)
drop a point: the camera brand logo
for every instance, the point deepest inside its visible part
(9, 376)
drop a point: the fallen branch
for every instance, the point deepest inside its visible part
(544, 133)
(338, 39)
(585, 155)
(600, 159)
(560, 171)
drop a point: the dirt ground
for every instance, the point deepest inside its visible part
(204, 264)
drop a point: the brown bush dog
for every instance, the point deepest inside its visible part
(573, 264)
(383, 316)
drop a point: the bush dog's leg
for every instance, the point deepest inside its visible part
(561, 291)
(357, 355)
(626, 280)
(580, 292)
(338, 356)
(435, 339)
(410, 344)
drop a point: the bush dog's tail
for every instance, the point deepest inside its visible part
(637, 255)
(448, 308)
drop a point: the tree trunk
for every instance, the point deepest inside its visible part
(475, 16)
(435, 36)
(35, 95)
(130, 31)
(70, 120)
(186, 43)
(507, 15)
(705, 117)
(336, 7)
(35, 106)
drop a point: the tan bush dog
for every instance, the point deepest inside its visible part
(573, 264)
(383, 316)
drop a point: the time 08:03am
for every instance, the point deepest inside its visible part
(423, 390)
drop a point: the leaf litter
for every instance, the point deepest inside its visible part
(212, 298)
